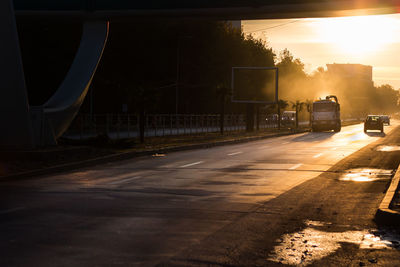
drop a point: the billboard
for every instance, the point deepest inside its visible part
(254, 85)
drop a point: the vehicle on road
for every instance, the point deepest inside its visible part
(289, 119)
(272, 118)
(326, 114)
(385, 119)
(373, 122)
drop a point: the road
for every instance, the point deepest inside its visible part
(232, 205)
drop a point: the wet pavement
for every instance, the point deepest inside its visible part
(231, 206)
(388, 148)
(316, 241)
(366, 175)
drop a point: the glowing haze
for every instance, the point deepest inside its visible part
(368, 40)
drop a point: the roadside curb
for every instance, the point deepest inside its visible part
(133, 154)
(385, 215)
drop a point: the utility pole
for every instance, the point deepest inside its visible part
(177, 77)
(178, 70)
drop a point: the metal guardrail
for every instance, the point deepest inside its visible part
(118, 126)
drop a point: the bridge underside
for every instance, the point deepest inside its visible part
(25, 127)
(217, 9)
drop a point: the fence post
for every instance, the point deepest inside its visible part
(95, 124)
(138, 124)
(147, 124)
(184, 124)
(163, 125)
(177, 124)
(155, 121)
(215, 123)
(190, 123)
(118, 126)
(196, 118)
(170, 124)
(235, 122)
(129, 134)
(107, 124)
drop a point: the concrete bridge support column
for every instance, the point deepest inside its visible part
(24, 127)
(15, 124)
(52, 119)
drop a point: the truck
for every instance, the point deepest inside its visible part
(326, 114)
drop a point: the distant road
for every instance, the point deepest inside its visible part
(149, 210)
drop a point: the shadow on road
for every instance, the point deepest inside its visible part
(314, 137)
(375, 134)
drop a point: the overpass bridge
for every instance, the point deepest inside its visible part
(217, 9)
(27, 127)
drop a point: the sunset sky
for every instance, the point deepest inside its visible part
(370, 40)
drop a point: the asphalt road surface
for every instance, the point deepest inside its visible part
(304, 199)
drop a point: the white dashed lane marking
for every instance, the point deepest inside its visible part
(125, 180)
(295, 166)
(191, 164)
(235, 153)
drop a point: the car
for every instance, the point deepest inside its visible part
(289, 119)
(385, 119)
(373, 122)
(271, 118)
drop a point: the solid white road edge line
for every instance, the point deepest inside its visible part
(191, 164)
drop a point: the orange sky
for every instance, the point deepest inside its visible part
(371, 40)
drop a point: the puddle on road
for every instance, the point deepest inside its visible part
(366, 175)
(306, 246)
(388, 148)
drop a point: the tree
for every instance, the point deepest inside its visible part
(293, 80)
(144, 99)
(386, 99)
(298, 105)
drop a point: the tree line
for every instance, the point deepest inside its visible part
(174, 65)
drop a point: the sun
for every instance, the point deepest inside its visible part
(357, 35)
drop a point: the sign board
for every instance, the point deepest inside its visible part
(254, 85)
